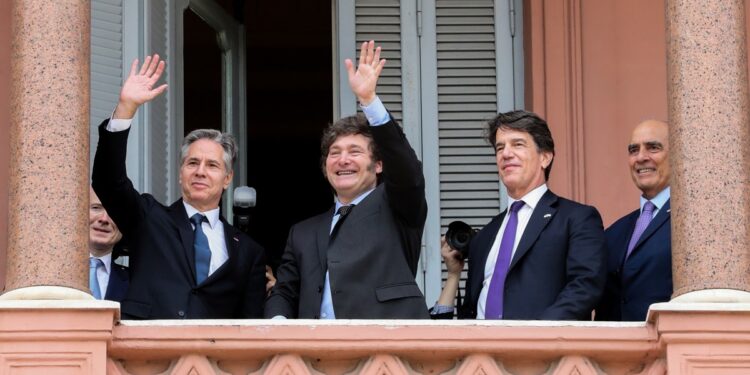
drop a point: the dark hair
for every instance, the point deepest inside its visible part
(527, 122)
(351, 125)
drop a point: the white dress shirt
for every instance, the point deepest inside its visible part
(531, 199)
(214, 230)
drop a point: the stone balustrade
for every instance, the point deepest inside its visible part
(86, 337)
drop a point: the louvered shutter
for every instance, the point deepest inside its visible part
(106, 63)
(467, 98)
(157, 111)
(380, 20)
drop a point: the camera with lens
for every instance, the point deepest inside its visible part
(458, 236)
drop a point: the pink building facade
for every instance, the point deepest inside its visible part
(49, 323)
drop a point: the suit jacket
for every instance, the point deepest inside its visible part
(646, 277)
(118, 283)
(372, 261)
(558, 269)
(162, 258)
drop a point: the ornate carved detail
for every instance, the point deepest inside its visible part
(575, 365)
(195, 365)
(383, 364)
(287, 364)
(479, 364)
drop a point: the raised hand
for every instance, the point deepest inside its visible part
(364, 80)
(138, 88)
(453, 261)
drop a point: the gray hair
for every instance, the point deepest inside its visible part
(225, 140)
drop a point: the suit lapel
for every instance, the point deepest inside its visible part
(232, 240)
(179, 220)
(661, 217)
(624, 241)
(478, 265)
(118, 281)
(322, 236)
(540, 217)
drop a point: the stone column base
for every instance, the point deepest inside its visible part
(704, 338)
(55, 337)
(46, 293)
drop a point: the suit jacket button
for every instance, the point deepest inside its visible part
(181, 314)
(194, 291)
(320, 289)
(316, 317)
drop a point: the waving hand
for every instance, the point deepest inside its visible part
(364, 80)
(138, 88)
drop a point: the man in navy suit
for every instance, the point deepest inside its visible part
(186, 261)
(543, 258)
(639, 265)
(108, 280)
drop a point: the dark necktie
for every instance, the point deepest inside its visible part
(343, 212)
(641, 225)
(202, 250)
(494, 306)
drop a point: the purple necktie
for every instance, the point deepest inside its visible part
(494, 306)
(641, 225)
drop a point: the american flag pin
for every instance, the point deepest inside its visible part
(547, 216)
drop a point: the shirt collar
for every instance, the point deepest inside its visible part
(106, 259)
(531, 198)
(211, 215)
(356, 200)
(659, 200)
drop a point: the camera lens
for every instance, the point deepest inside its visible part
(459, 236)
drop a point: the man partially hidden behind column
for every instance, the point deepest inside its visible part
(543, 258)
(639, 267)
(359, 259)
(107, 279)
(186, 261)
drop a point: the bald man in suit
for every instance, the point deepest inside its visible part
(639, 264)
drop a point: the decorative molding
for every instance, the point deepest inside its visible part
(383, 365)
(195, 365)
(575, 365)
(479, 364)
(27, 363)
(287, 364)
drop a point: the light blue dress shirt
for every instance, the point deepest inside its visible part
(376, 115)
(659, 201)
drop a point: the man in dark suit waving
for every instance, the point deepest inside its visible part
(359, 259)
(543, 258)
(186, 261)
(639, 266)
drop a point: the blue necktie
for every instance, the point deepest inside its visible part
(94, 264)
(202, 250)
(494, 306)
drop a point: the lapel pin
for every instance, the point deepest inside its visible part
(669, 210)
(547, 216)
(236, 239)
